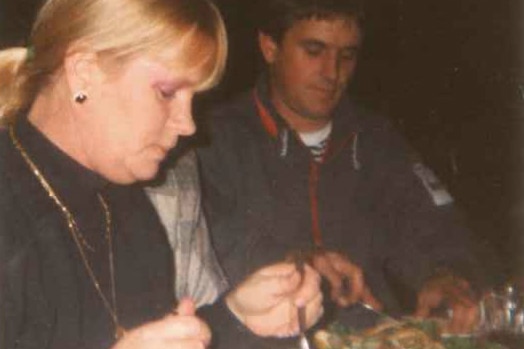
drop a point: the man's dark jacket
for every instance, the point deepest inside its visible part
(265, 196)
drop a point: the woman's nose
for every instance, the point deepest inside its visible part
(181, 119)
(186, 124)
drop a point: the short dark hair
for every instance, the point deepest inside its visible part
(275, 17)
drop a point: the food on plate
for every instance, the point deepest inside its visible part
(409, 333)
(387, 335)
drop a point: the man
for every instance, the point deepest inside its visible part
(294, 165)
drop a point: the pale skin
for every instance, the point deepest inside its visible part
(275, 293)
(309, 70)
(133, 115)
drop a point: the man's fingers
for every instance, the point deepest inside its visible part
(352, 278)
(459, 295)
(464, 319)
(323, 265)
(335, 281)
(368, 298)
(422, 311)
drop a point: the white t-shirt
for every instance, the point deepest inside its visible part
(317, 140)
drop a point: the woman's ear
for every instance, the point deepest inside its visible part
(81, 70)
(268, 47)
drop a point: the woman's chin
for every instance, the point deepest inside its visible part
(140, 168)
(146, 173)
(134, 174)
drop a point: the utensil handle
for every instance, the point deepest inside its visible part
(301, 312)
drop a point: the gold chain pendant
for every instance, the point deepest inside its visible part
(120, 332)
(78, 237)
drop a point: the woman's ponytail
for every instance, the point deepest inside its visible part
(12, 89)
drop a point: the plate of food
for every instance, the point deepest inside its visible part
(408, 333)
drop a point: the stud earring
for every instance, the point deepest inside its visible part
(80, 97)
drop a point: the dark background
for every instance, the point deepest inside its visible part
(450, 74)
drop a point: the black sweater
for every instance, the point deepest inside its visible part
(46, 297)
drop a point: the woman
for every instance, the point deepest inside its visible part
(95, 104)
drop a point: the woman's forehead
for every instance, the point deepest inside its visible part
(195, 54)
(169, 69)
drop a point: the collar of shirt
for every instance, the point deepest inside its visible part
(71, 180)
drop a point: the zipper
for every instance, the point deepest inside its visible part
(314, 170)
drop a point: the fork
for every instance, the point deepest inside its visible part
(303, 343)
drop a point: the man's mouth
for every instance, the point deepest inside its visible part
(328, 93)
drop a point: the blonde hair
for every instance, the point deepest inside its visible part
(10, 62)
(114, 29)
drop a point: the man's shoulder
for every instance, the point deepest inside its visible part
(235, 107)
(365, 119)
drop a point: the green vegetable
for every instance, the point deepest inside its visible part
(429, 327)
(469, 343)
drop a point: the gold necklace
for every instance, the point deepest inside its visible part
(78, 237)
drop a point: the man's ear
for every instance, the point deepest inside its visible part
(268, 47)
(81, 70)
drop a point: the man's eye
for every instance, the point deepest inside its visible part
(348, 55)
(313, 49)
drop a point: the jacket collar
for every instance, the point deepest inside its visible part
(346, 118)
(270, 118)
(345, 115)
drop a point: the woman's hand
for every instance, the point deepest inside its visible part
(181, 331)
(267, 301)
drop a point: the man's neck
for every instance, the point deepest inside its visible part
(296, 121)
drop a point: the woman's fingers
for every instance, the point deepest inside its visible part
(308, 289)
(267, 301)
(185, 307)
(184, 332)
(177, 327)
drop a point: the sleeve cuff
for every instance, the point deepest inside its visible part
(228, 332)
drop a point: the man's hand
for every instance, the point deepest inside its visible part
(446, 289)
(183, 330)
(267, 301)
(346, 279)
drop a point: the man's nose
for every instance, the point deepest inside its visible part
(331, 67)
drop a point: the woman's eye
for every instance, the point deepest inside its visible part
(166, 94)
